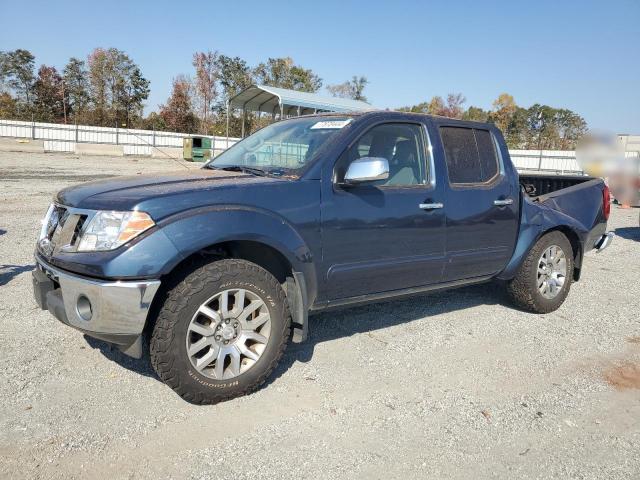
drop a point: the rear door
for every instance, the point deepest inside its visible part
(481, 203)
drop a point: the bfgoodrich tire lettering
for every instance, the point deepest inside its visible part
(169, 341)
(525, 288)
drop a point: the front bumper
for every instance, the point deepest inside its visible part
(114, 311)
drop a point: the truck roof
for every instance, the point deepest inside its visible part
(391, 114)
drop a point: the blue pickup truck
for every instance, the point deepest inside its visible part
(220, 267)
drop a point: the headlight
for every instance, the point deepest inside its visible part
(109, 230)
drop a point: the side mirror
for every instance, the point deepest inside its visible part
(367, 169)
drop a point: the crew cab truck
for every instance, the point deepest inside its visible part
(219, 267)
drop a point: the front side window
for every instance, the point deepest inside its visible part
(401, 144)
(284, 146)
(470, 154)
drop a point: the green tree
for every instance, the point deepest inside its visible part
(475, 114)
(422, 107)
(517, 134)
(571, 128)
(542, 126)
(153, 121)
(353, 88)
(234, 75)
(118, 88)
(76, 88)
(437, 106)
(284, 73)
(99, 67)
(134, 90)
(16, 72)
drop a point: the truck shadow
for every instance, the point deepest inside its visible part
(141, 366)
(629, 233)
(334, 324)
(8, 272)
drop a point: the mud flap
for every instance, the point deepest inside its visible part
(297, 298)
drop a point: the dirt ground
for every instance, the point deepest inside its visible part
(449, 385)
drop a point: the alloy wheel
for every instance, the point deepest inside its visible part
(228, 334)
(552, 271)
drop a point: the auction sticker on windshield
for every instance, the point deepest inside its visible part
(331, 124)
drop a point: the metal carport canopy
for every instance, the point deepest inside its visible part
(263, 98)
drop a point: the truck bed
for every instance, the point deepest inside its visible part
(536, 185)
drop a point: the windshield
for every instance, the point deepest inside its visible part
(282, 147)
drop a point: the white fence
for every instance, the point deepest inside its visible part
(563, 161)
(64, 138)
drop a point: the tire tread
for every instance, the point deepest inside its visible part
(522, 289)
(162, 338)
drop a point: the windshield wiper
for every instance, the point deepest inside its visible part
(243, 169)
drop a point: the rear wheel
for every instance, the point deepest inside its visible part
(220, 332)
(544, 278)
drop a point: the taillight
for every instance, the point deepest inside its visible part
(606, 202)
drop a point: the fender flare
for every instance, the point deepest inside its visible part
(197, 229)
(536, 220)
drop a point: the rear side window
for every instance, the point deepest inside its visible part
(486, 154)
(470, 154)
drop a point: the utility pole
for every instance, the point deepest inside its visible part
(64, 103)
(540, 140)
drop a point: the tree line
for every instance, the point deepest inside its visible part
(198, 103)
(536, 127)
(108, 89)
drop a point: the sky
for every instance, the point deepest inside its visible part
(581, 55)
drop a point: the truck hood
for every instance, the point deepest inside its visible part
(127, 193)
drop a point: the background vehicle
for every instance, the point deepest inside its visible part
(218, 265)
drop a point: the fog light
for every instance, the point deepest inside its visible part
(83, 307)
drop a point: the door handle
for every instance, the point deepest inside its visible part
(502, 203)
(431, 206)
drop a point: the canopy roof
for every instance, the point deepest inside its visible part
(263, 98)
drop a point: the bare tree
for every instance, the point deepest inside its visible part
(353, 89)
(454, 109)
(207, 74)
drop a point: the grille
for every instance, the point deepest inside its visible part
(78, 228)
(55, 220)
(63, 230)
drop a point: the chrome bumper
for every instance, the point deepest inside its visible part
(604, 241)
(115, 311)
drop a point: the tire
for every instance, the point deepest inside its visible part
(181, 327)
(524, 289)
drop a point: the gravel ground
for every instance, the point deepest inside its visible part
(449, 385)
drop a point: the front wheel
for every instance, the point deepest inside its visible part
(544, 278)
(220, 332)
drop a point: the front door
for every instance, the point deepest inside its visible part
(481, 204)
(387, 235)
